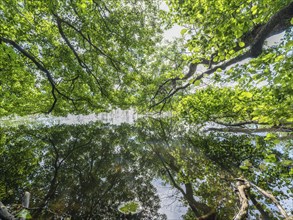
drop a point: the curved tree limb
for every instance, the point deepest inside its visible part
(41, 67)
(236, 124)
(178, 187)
(273, 199)
(196, 207)
(5, 214)
(269, 196)
(264, 214)
(242, 187)
(80, 61)
(283, 14)
(211, 215)
(255, 50)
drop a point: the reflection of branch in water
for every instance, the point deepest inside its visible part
(269, 196)
(242, 187)
(4, 213)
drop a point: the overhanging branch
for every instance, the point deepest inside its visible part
(41, 67)
(255, 50)
(80, 61)
(5, 214)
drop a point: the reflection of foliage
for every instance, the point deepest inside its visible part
(19, 160)
(24, 214)
(86, 171)
(82, 171)
(206, 167)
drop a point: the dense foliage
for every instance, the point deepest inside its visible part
(73, 56)
(83, 172)
(91, 171)
(228, 143)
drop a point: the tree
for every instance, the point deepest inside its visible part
(205, 169)
(78, 172)
(248, 97)
(86, 171)
(74, 56)
(231, 125)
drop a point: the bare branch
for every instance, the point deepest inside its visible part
(242, 187)
(273, 199)
(170, 94)
(211, 215)
(236, 124)
(268, 195)
(264, 214)
(4, 213)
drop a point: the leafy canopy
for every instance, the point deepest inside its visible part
(74, 56)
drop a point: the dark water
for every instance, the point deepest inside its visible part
(87, 171)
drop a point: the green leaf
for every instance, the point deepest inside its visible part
(246, 95)
(244, 167)
(183, 31)
(287, 163)
(197, 82)
(83, 5)
(270, 136)
(241, 44)
(218, 70)
(271, 158)
(215, 59)
(279, 58)
(254, 9)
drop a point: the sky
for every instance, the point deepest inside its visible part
(172, 32)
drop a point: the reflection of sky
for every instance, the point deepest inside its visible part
(172, 33)
(170, 204)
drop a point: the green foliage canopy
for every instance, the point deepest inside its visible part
(73, 56)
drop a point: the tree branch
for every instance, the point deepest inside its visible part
(236, 124)
(80, 61)
(211, 215)
(196, 207)
(251, 130)
(242, 186)
(88, 40)
(41, 67)
(269, 196)
(4, 213)
(273, 199)
(283, 14)
(264, 214)
(254, 51)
